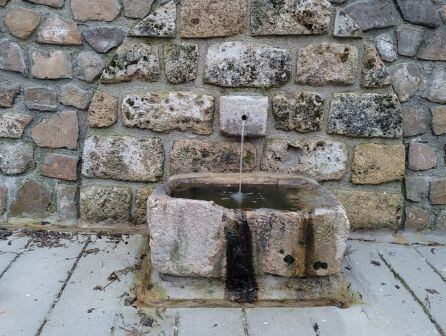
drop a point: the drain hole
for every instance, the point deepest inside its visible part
(244, 117)
(320, 265)
(289, 259)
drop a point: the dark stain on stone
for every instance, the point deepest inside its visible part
(241, 284)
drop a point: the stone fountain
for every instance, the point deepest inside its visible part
(283, 244)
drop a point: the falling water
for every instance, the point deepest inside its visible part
(239, 196)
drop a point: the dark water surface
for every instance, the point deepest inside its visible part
(255, 196)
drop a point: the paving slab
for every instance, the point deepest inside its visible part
(214, 321)
(436, 257)
(401, 238)
(32, 283)
(104, 305)
(428, 287)
(10, 248)
(389, 307)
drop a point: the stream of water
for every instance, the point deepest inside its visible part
(239, 196)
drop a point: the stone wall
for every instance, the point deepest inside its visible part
(103, 99)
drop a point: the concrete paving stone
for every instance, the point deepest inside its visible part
(32, 283)
(390, 309)
(427, 286)
(205, 322)
(10, 248)
(103, 312)
(435, 256)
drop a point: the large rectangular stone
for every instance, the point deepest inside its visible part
(211, 18)
(371, 209)
(320, 159)
(365, 115)
(110, 204)
(240, 64)
(438, 190)
(377, 163)
(168, 111)
(190, 156)
(338, 61)
(289, 17)
(123, 158)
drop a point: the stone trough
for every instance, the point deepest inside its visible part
(283, 244)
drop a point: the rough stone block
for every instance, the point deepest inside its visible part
(133, 61)
(160, 23)
(41, 98)
(371, 14)
(12, 125)
(439, 120)
(437, 193)
(95, 10)
(12, 57)
(320, 159)
(421, 156)
(3, 199)
(105, 38)
(386, 47)
(60, 131)
(371, 209)
(103, 111)
(417, 188)
(289, 17)
(190, 156)
(54, 64)
(60, 166)
(16, 158)
(109, 204)
(183, 247)
(434, 50)
(137, 9)
(90, 66)
(298, 111)
(436, 91)
(9, 91)
(181, 62)
(345, 26)
(234, 108)
(32, 199)
(240, 64)
(417, 218)
(141, 197)
(406, 79)
(49, 3)
(409, 39)
(212, 18)
(72, 95)
(365, 115)
(21, 22)
(420, 12)
(415, 120)
(168, 111)
(376, 163)
(339, 62)
(66, 201)
(123, 158)
(374, 73)
(57, 30)
(441, 221)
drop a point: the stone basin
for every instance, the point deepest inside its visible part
(288, 227)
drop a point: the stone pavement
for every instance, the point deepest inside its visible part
(74, 284)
